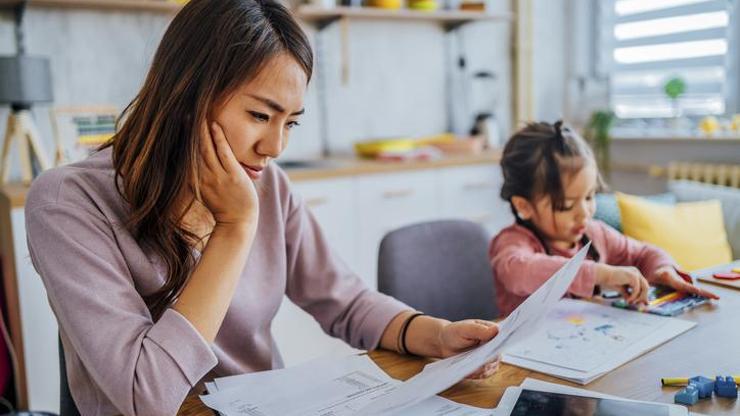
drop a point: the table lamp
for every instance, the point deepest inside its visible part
(24, 81)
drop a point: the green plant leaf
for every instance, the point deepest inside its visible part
(674, 88)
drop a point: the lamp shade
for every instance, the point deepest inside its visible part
(25, 80)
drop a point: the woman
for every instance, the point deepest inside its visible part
(166, 254)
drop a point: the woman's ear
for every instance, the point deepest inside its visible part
(524, 210)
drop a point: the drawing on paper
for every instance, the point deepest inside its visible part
(581, 335)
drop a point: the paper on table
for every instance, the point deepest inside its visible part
(508, 400)
(442, 374)
(286, 391)
(306, 370)
(324, 386)
(583, 340)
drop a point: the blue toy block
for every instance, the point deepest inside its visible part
(704, 385)
(687, 396)
(725, 387)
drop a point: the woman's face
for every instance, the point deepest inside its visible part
(258, 117)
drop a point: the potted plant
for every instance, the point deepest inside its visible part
(674, 88)
(597, 133)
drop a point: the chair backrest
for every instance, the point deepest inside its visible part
(67, 406)
(440, 268)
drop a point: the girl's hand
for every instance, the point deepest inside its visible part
(226, 189)
(457, 337)
(626, 279)
(668, 276)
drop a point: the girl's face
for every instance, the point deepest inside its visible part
(258, 117)
(565, 228)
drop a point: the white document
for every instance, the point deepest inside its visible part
(326, 366)
(442, 374)
(507, 402)
(581, 341)
(325, 386)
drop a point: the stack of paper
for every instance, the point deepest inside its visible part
(580, 341)
(336, 386)
(358, 387)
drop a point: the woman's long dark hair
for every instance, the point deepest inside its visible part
(209, 49)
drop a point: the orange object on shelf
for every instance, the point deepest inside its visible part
(473, 6)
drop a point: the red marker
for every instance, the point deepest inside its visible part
(727, 276)
(684, 276)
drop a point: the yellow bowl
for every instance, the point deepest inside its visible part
(385, 4)
(436, 138)
(372, 148)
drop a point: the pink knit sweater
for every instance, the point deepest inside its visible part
(521, 264)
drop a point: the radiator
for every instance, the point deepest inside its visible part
(714, 173)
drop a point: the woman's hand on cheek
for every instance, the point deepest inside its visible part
(225, 188)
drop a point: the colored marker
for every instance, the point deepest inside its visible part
(663, 299)
(727, 276)
(684, 381)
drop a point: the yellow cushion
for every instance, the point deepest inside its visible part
(692, 232)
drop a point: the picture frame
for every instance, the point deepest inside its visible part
(79, 130)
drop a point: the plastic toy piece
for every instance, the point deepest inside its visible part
(704, 385)
(688, 395)
(725, 387)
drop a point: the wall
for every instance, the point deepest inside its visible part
(549, 59)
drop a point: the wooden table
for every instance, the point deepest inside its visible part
(711, 348)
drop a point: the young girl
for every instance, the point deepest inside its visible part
(166, 255)
(550, 177)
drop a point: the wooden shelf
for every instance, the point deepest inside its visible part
(312, 14)
(143, 5)
(324, 16)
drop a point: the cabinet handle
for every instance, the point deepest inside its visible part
(473, 186)
(400, 193)
(317, 201)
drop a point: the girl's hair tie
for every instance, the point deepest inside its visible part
(558, 139)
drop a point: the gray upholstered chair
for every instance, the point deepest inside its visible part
(440, 268)
(67, 405)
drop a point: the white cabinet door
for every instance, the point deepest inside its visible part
(298, 335)
(472, 193)
(300, 338)
(387, 202)
(332, 203)
(38, 326)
